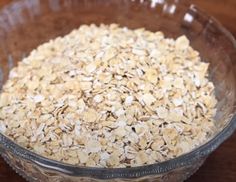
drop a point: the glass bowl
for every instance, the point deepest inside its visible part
(24, 24)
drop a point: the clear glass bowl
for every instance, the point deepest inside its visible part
(24, 24)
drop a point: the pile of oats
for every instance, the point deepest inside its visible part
(109, 97)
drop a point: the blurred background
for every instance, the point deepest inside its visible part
(221, 165)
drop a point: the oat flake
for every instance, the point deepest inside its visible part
(110, 96)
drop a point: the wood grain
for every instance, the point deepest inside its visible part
(221, 165)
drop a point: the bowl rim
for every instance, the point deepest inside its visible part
(201, 152)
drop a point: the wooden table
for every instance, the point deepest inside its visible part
(221, 165)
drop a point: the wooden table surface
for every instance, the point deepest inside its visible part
(221, 165)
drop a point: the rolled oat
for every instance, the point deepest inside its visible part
(110, 97)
